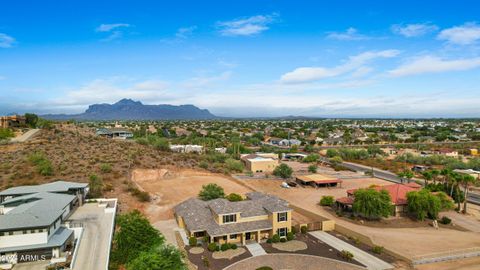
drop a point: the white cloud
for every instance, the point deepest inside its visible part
(6, 41)
(185, 32)
(110, 27)
(114, 29)
(414, 30)
(349, 35)
(246, 26)
(202, 81)
(433, 64)
(466, 34)
(355, 63)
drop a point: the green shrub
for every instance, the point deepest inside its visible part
(445, 220)
(303, 229)
(312, 168)
(192, 241)
(225, 246)
(377, 249)
(264, 268)
(217, 248)
(234, 165)
(234, 197)
(294, 230)
(106, 168)
(233, 246)
(283, 240)
(206, 262)
(327, 201)
(205, 239)
(203, 165)
(212, 247)
(347, 255)
(275, 238)
(269, 240)
(290, 236)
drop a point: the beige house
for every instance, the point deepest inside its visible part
(12, 121)
(256, 218)
(260, 162)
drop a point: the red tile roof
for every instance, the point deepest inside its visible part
(398, 192)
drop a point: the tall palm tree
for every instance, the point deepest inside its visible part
(466, 181)
(435, 173)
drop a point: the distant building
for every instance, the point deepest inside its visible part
(470, 172)
(397, 192)
(12, 121)
(293, 156)
(255, 219)
(115, 133)
(260, 162)
(221, 150)
(189, 148)
(291, 142)
(31, 219)
(318, 180)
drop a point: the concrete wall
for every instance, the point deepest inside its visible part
(20, 239)
(261, 165)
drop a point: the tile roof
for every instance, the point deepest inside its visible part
(199, 215)
(398, 192)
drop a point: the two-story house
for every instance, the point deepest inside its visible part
(31, 219)
(256, 218)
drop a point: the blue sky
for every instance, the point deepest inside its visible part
(244, 58)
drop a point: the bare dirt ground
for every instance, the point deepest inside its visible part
(465, 264)
(409, 242)
(169, 189)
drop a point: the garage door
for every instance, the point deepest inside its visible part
(34, 255)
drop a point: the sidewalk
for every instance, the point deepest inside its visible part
(255, 249)
(370, 261)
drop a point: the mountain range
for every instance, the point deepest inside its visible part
(127, 109)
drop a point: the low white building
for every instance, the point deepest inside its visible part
(189, 148)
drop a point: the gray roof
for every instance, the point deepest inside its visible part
(34, 210)
(57, 239)
(58, 186)
(199, 215)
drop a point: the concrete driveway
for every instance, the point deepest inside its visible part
(26, 136)
(95, 241)
(467, 222)
(168, 228)
(370, 261)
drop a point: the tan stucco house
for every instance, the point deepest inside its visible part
(256, 218)
(260, 162)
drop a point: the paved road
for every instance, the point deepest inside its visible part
(95, 242)
(467, 222)
(370, 261)
(256, 249)
(26, 136)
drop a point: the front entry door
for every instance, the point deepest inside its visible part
(247, 236)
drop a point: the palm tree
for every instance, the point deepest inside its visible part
(435, 173)
(466, 180)
(428, 176)
(446, 173)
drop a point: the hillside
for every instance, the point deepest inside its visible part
(127, 109)
(75, 154)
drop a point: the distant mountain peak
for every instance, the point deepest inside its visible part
(128, 109)
(128, 101)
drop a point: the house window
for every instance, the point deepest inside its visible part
(41, 230)
(224, 238)
(25, 232)
(282, 217)
(282, 232)
(32, 231)
(233, 236)
(229, 218)
(2, 233)
(10, 233)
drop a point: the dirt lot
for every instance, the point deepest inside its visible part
(171, 188)
(409, 242)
